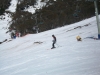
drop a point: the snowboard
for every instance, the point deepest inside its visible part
(53, 48)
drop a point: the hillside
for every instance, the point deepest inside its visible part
(45, 14)
(31, 54)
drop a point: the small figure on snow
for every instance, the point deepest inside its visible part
(17, 34)
(54, 41)
(79, 38)
(36, 28)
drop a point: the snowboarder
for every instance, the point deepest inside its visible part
(79, 38)
(12, 35)
(17, 34)
(54, 41)
(36, 28)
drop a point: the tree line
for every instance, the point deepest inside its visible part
(54, 14)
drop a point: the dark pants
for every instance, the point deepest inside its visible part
(53, 45)
(79, 39)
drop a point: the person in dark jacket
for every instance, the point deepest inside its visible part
(54, 41)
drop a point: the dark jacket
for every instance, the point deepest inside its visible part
(54, 39)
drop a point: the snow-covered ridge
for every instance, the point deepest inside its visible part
(38, 5)
(4, 25)
(13, 5)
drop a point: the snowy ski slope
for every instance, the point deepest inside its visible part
(26, 56)
(32, 54)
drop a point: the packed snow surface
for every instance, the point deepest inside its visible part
(32, 54)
